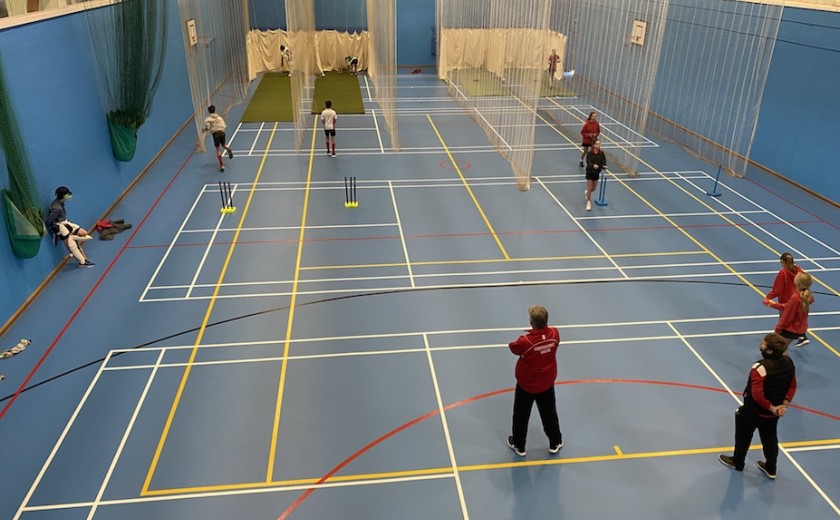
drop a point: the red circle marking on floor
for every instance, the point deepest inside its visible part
(302, 498)
(463, 165)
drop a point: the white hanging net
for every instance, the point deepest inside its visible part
(214, 38)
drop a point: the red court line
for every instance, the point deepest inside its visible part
(93, 289)
(294, 505)
(795, 205)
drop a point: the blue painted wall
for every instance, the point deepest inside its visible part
(415, 19)
(267, 14)
(52, 78)
(800, 113)
(339, 15)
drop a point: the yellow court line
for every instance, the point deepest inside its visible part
(722, 216)
(168, 425)
(498, 260)
(670, 221)
(713, 210)
(469, 190)
(809, 444)
(443, 471)
(824, 343)
(218, 488)
(693, 196)
(272, 453)
(300, 482)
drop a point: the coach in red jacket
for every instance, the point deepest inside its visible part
(536, 371)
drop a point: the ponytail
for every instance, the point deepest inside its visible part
(806, 296)
(803, 282)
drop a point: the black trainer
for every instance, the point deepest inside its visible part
(555, 449)
(514, 448)
(729, 462)
(763, 467)
(803, 341)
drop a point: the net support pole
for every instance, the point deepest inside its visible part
(715, 192)
(602, 192)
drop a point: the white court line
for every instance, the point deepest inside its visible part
(172, 244)
(236, 492)
(782, 449)
(583, 230)
(814, 448)
(786, 222)
(442, 413)
(343, 129)
(256, 138)
(615, 122)
(484, 284)
(666, 176)
(292, 228)
(207, 249)
(61, 438)
(810, 480)
(378, 134)
(402, 235)
(618, 138)
(504, 283)
(536, 113)
(235, 132)
(452, 183)
(762, 229)
(367, 87)
(382, 183)
(791, 226)
(426, 150)
(669, 215)
(456, 274)
(703, 362)
(124, 439)
(639, 267)
(392, 352)
(756, 239)
(485, 120)
(611, 340)
(425, 99)
(415, 87)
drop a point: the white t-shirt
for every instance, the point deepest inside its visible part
(214, 123)
(329, 117)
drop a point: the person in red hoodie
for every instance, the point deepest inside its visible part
(793, 321)
(536, 371)
(783, 287)
(589, 134)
